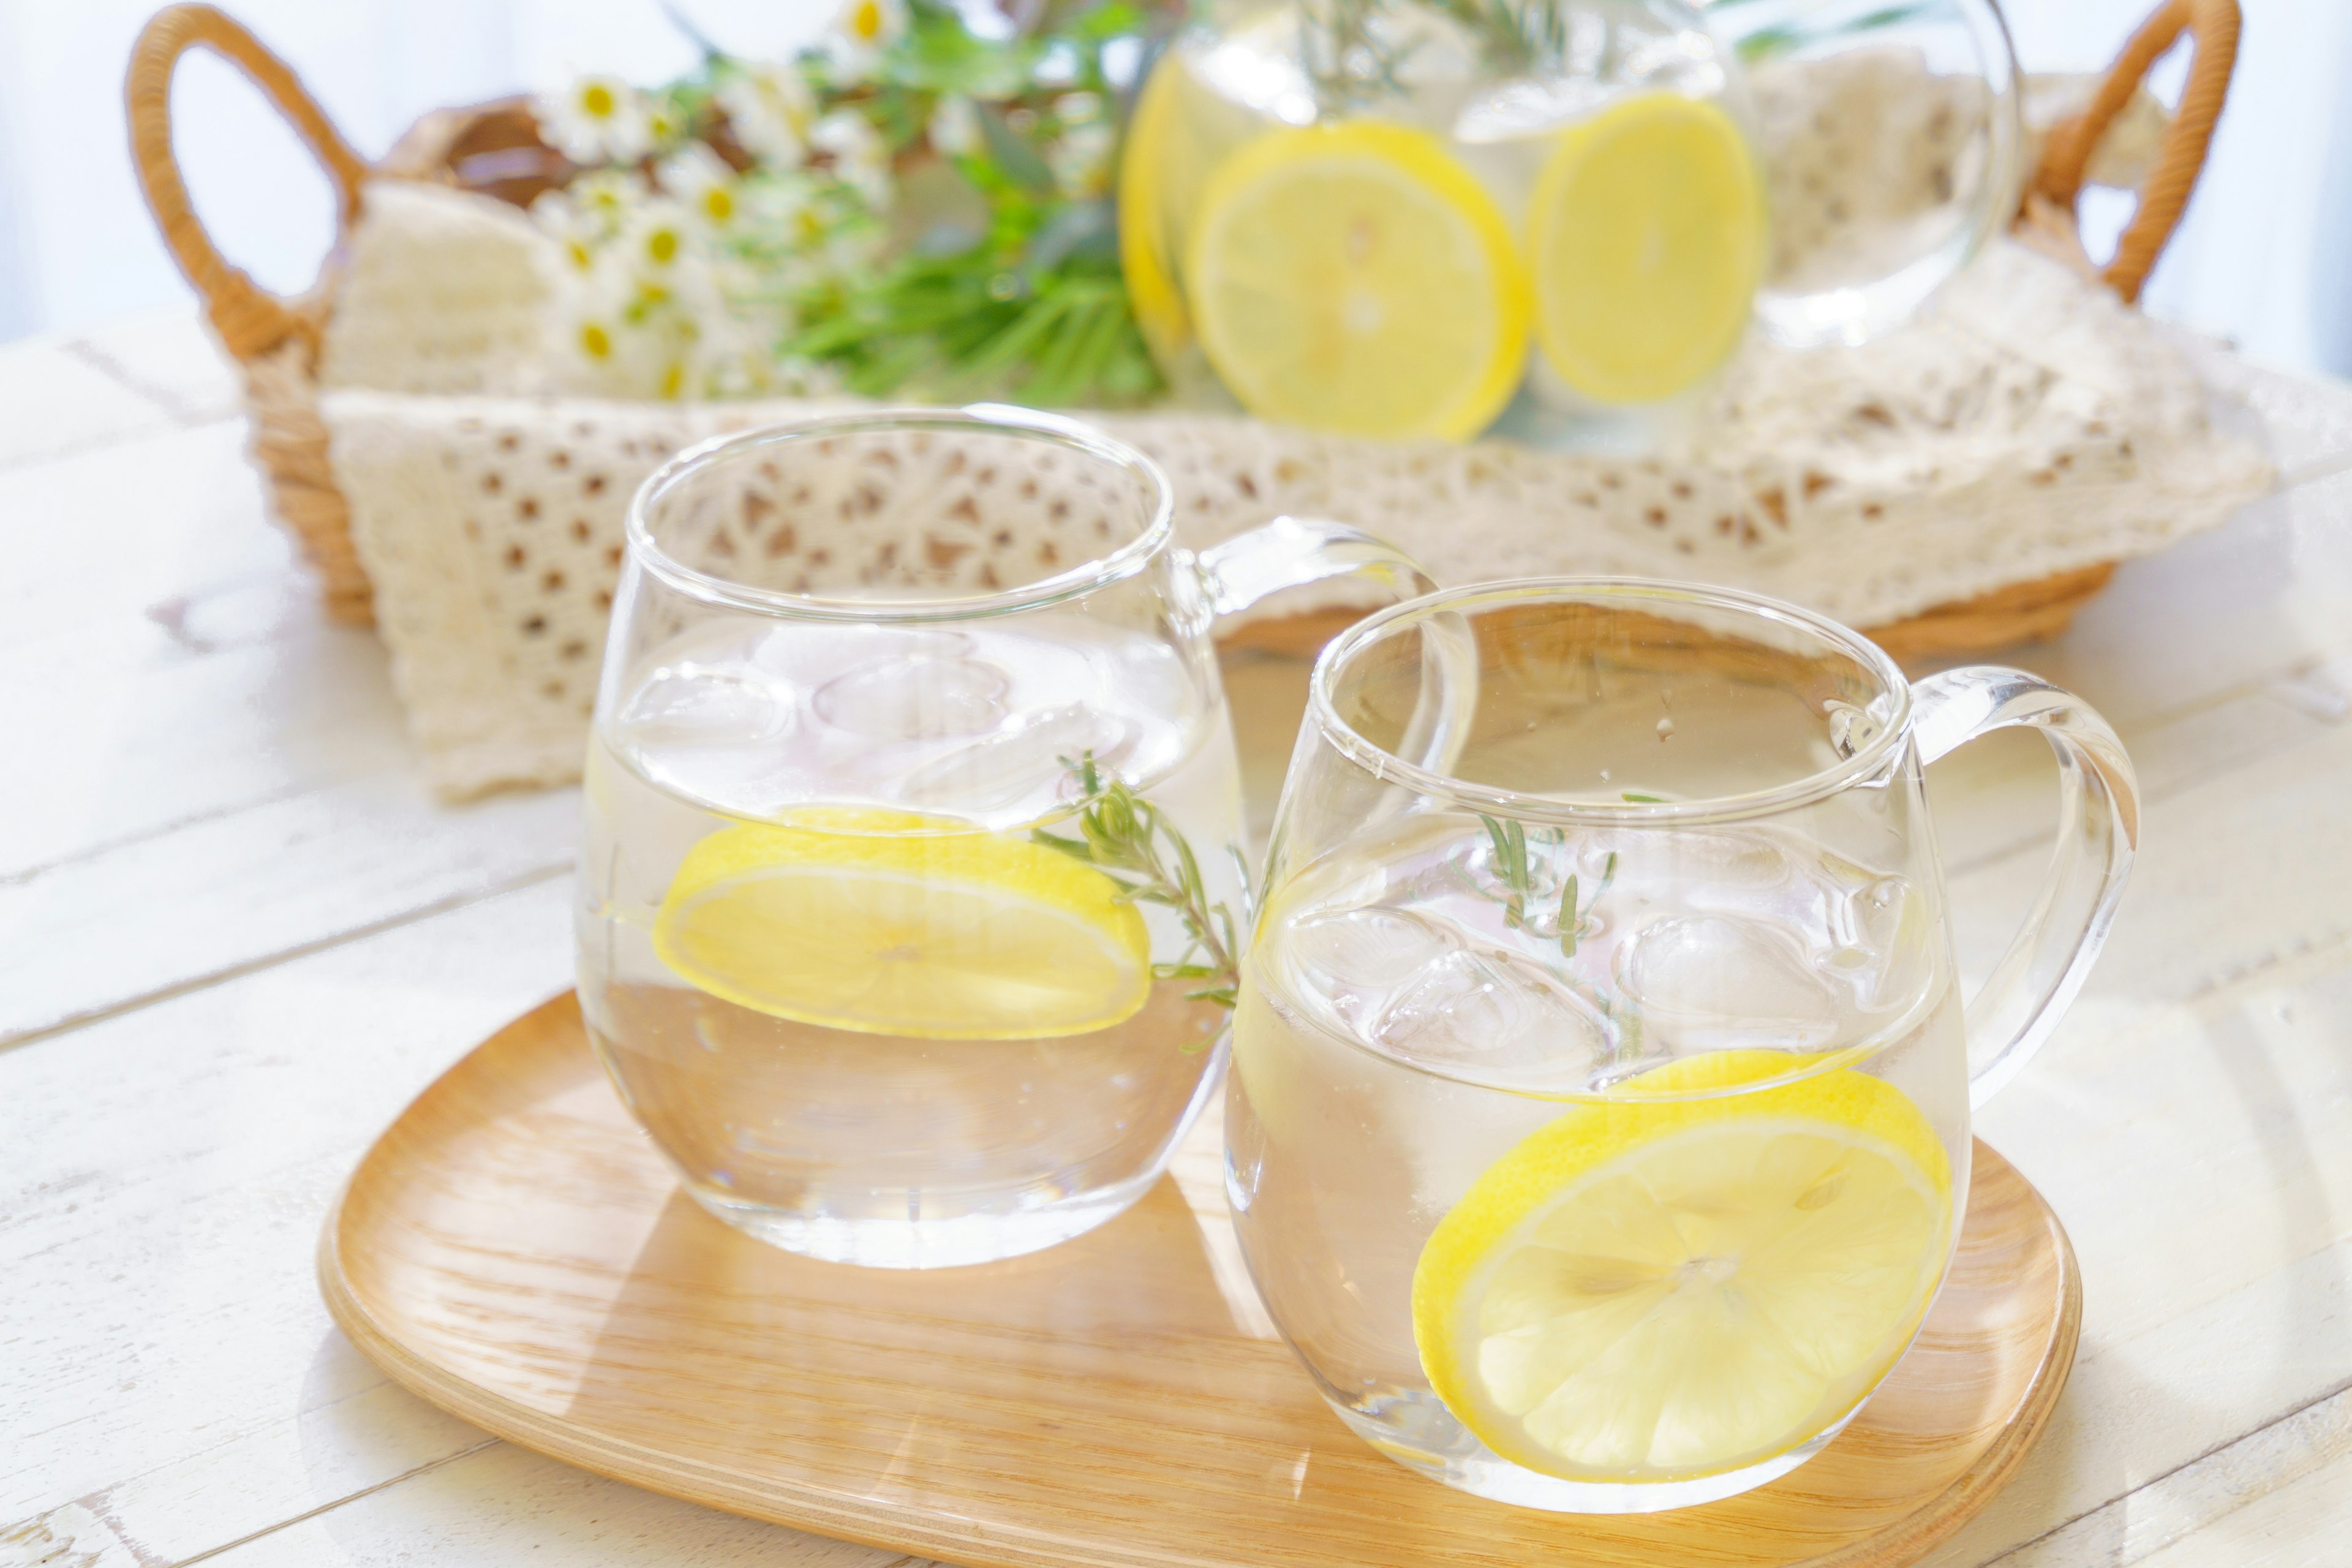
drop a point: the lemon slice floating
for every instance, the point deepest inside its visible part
(1353, 276)
(891, 922)
(1647, 238)
(1660, 1291)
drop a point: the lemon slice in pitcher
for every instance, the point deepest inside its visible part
(1645, 237)
(1353, 276)
(1152, 169)
(890, 922)
(1661, 1290)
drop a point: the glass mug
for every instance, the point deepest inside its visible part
(1599, 1126)
(913, 884)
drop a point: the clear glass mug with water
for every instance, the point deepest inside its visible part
(913, 888)
(1599, 1125)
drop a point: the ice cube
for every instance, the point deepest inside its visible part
(1023, 760)
(1721, 981)
(1890, 956)
(1350, 959)
(1495, 1017)
(916, 699)
(696, 705)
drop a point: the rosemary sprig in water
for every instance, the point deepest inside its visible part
(1515, 872)
(1127, 838)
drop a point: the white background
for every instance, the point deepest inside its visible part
(2265, 254)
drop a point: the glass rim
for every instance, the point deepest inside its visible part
(1023, 423)
(1387, 766)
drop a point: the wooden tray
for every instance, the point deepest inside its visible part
(513, 1250)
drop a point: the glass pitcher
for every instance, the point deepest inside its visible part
(1384, 217)
(912, 891)
(1599, 1126)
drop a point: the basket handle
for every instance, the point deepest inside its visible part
(249, 319)
(2180, 157)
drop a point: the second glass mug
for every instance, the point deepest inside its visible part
(1598, 1132)
(913, 887)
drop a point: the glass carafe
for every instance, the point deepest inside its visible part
(1598, 1128)
(913, 887)
(1390, 218)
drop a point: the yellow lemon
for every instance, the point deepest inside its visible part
(1353, 276)
(1656, 1289)
(891, 922)
(1150, 172)
(1647, 238)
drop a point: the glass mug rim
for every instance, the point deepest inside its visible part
(1001, 419)
(1893, 694)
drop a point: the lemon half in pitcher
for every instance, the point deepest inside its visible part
(1353, 277)
(1645, 239)
(1658, 1291)
(893, 922)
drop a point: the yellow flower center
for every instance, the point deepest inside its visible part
(866, 21)
(597, 101)
(719, 203)
(662, 245)
(594, 341)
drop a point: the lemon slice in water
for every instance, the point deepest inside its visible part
(1353, 277)
(1650, 1290)
(1153, 168)
(1645, 237)
(891, 922)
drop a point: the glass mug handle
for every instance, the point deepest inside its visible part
(1292, 551)
(2098, 828)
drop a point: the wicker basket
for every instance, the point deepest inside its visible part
(495, 150)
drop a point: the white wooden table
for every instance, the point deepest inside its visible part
(236, 936)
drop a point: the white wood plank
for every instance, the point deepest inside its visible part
(170, 1368)
(2262, 595)
(55, 401)
(201, 1396)
(508, 1508)
(231, 892)
(2304, 1450)
(2192, 1124)
(2305, 1524)
(171, 357)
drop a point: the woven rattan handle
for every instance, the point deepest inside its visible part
(250, 319)
(2179, 158)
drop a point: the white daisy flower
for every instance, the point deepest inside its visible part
(665, 126)
(575, 232)
(700, 180)
(861, 32)
(954, 130)
(609, 198)
(596, 120)
(860, 159)
(769, 108)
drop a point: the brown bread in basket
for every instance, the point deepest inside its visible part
(495, 150)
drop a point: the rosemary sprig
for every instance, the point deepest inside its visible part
(1511, 868)
(1127, 838)
(1515, 872)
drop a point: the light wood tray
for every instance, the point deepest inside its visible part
(513, 1250)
